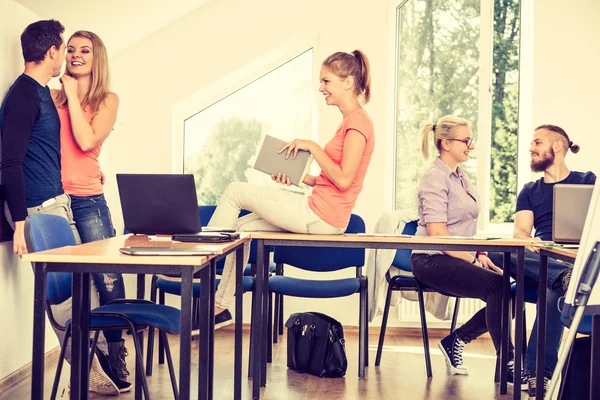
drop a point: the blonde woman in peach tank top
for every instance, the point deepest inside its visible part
(344, 160)
(88, 111)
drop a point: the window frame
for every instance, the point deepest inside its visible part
(483, 144)
(231, 83)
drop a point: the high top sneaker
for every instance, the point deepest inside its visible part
(522, 381)
(532, 385)
(452, 348)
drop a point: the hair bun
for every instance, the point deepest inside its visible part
(574, 148)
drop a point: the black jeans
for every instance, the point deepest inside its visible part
(463, 279)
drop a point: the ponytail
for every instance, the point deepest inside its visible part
(425, 130)
(365, 77)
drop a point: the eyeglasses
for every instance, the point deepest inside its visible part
(468, 141)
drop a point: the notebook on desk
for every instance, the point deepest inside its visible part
(570, 208)
(271, 162)
(164, 204)
(164, 251)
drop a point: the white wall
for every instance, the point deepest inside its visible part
(566, 62)
(16, 277)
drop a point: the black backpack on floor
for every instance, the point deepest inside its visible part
(315, 345)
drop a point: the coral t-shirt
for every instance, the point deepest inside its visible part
(327, 201)
(80, 169)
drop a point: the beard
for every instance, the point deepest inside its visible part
(543, 164)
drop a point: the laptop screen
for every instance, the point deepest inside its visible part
(159, 203)
(571, 204)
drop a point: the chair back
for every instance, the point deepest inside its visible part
(402, 260)
(324, 259)
(45, 232)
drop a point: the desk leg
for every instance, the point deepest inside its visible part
(204, 342)
(519, 304)
(212, 272)
(186, 333)
(265, 314)
(505, 329)
(595, 361)
(39, 334)
(239, 293)
(541, 326)
(257, 319)
(141, 294)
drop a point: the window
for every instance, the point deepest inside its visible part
(222, 140)
(442, 69)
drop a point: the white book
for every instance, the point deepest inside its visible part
(273, 163)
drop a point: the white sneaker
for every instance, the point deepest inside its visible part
(100, 382)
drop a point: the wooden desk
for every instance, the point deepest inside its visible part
(557, 253)
(105, 256)
(507, 246)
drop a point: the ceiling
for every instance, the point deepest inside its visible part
(120, 23)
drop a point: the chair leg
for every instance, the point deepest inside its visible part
(251, 348)
(150, 351)
(455, 315)
(93, 349)
(361, 330)
(280, 310)
(276, 318)
(366, 322)
(139, 362)
(281, 321)
(269, 335)
(170, 364)
(424, 332)
(61, 359)
(524, 353)
(161, 345)
(386, 312)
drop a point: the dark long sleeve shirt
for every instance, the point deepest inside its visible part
(30, 131)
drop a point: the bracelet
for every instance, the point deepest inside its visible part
(474, 260)
(481, 253)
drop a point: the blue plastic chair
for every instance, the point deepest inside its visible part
(402, 261)
(44, 232)
(325, 259)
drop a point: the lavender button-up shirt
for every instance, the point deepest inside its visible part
(447, 196)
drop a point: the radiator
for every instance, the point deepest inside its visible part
(409, 310)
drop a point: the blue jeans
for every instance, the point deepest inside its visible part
(554, 325)
(93, 222)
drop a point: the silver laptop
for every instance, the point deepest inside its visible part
(164, 251)
(571, 203)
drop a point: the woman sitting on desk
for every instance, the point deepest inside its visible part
(344, 78)
(448, 205)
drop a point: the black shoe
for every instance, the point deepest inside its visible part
(524, 383)
(122, 385)
(223, 319)
(452, 347)
(532, 390)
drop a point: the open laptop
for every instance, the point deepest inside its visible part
(164, 204)
(571, 203)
